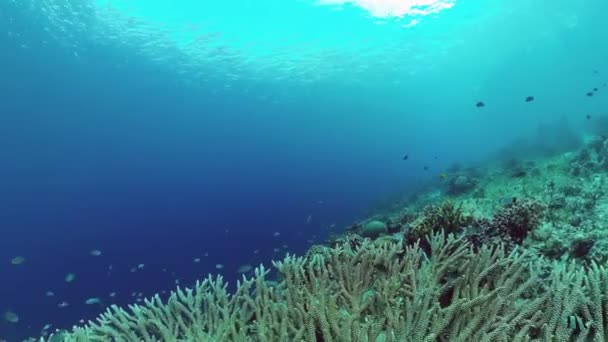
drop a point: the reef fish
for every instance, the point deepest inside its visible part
(70, 277)
(93, 300)
(244, 268)
(11, 317)
(18, 260)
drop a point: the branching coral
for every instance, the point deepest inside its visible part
(377, 292)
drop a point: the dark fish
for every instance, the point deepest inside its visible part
(480, 104)
(405, 157)
(605, 83)
(436, 157)
(529, 98)
(595, 72)
(590, 94)
(594, 89)
(426, 168)
(588, 116)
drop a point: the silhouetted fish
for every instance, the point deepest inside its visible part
(405, 157)
(426, 168)
(594, 89)
(590, 94)
(596, 72)
(529, 98)
(588, 116)
(480, 104)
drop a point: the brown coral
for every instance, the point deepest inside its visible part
(515, 220)
(446, 216)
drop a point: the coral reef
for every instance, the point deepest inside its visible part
(516, 219)
(377, 292)
(516, 254)
(446, 216)
(460, 184)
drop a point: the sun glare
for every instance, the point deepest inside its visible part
(396, 8)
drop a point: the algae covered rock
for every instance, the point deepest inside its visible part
(460, 185)
(373, 229)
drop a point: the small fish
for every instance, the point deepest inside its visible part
(276, 234)
(309, 218)
(594, 89)
(63, 304)
(426, 168)
(70, 277)
(436, 157)
(589, 94)
(18, 260)
(588, 116)
(405, 157)
(11, 317)
(480, 104)
(95, 252)
(529, 98)
(112, 294)
(595, 72)
(219, 266)
(244, 268)
(50, 293)
(196, 260)
(443, 176)
(141, 266)
(92, 301)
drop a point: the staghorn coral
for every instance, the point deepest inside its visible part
(377, 292)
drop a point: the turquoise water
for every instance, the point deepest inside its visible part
(160, 132)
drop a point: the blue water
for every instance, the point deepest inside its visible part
(159, 132)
